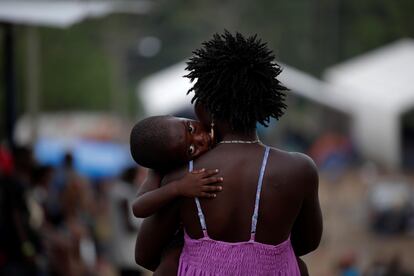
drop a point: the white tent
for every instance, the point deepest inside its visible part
(376, 89)
(165, 92)
(63, 14)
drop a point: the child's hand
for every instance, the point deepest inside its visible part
(199, 183)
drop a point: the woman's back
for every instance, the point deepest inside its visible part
(229, 242)
(229, 215)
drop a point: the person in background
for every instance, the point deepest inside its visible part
(63, 175)
(124, 224)
(20, 244)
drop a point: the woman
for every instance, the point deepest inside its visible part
(268, 210)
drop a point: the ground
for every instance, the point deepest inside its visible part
(346, 232)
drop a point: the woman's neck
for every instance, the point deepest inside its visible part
(239, 137)
(224, 133)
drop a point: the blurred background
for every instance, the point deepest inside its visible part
(76, 75)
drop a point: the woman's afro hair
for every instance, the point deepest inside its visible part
(236, 80)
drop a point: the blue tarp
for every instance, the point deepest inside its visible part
(93, 159)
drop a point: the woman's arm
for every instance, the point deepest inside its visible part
(307, 230)
(152, 197)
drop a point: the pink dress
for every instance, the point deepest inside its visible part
(205, 256)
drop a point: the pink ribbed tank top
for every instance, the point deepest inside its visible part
(206, 256)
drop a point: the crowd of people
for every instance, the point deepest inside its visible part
(54, 221)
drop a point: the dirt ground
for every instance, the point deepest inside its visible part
(345, 213)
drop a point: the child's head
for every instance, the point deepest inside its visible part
(165, 141)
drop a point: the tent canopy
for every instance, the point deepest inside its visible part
(63, 14)
(377, 87)
(381, 79)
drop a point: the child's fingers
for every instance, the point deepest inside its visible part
(207, 195)
(199, 171)
(208, 173)
(212, 188)
(211, 180)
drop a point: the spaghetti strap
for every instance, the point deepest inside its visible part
(259, 189)
(200, 213)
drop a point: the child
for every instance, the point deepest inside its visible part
(159, 143)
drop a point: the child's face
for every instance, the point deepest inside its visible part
(189, 139)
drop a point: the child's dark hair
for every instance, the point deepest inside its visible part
(149, 143)
(236, 80)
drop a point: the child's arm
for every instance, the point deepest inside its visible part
(151, 197)
(151, 182)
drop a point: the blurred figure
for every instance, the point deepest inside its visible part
(41, 179)
(57, 245)
(62, 176)
(390, 206)
(65, 173)
(6, 162)
(124, 224)
(347, 265)
(333, 153)
(77, 205)
(393, 267)
(102, 227)
(20, 246)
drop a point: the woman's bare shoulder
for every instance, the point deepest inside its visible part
(296, 164)
(304, 162)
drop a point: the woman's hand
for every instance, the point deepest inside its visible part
(199, 183)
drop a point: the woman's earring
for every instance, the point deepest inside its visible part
(212, 130)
